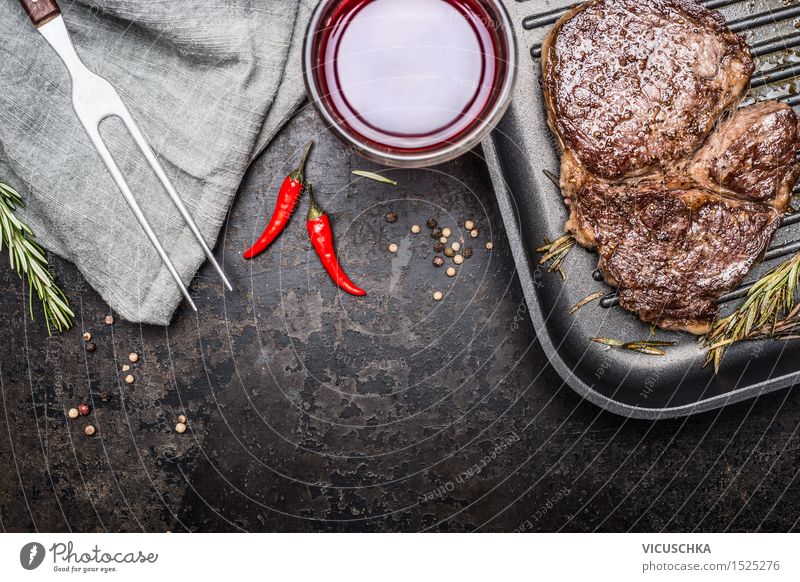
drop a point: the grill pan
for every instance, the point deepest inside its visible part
(519, 153)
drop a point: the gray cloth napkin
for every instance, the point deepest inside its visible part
(209, 82)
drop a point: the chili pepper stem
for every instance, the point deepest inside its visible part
(314, 211)
(299, 172)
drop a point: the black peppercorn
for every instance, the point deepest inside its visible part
(91, 346)
(438, 261)
(391, 217)
(438, 247)
(436, 233)
(105, 396)
(467, 252)
(431, 223)
(449, 252)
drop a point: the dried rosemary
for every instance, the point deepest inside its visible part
(27, 258)
(375, 177)
(555, 252)
(768, 312)
(648, 347)
(586, 300)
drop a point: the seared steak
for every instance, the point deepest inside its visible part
(634, 84)
(672, 252)
(751, 156)
(678, 204)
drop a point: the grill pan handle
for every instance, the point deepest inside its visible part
(41, 11)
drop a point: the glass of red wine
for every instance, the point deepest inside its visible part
(410, 83)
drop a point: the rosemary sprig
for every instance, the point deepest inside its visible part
(555, 252)
(648, 347)
(27, 258)
(768, 312)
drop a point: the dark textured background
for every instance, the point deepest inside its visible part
(313, 411)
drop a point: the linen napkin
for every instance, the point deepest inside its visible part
(209, 82)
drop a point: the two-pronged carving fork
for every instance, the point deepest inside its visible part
(94, 100)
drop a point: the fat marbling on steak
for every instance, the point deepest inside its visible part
(679, 196)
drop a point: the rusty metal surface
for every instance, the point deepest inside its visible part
(311, 411)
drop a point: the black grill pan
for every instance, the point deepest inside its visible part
(519, 152)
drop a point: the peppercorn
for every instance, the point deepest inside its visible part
(180, 428)
(438, 261)
(438, 247)
(87, 336)
(109, 320)
(474, 233)
(133, 357)
(467, 252)
(391, 217)
(73, 413)
(469, 225)
(446, 232)
(451, 272)
(125, 367)
(84, 409)
(91, 346)
(458, 259)
(443, 240)
(489, 245)
(431, 223)
(449, 252)
(105, 396)
(130, 379)
(89, 430)
(182, 419)
(456, 246)
(436, 233)
(416, 229)
(392, 248)
(438, 295)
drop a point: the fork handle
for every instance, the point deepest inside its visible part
(41, 11)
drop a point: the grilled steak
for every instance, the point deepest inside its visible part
(678, 202)
(751, 156)
(634, 84)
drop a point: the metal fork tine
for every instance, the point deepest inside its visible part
(141, 141)
(116, 174)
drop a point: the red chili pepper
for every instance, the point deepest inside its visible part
(321, 233)
(288, 196)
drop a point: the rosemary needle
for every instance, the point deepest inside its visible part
(586, 301)
(648, 347)
(374, 176)
(552, 177)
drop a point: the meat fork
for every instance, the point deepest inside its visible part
(95, 99)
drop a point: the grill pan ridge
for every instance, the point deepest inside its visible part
(519, 152)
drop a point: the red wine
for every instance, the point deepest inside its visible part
(408, 75)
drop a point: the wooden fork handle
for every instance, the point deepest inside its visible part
(41, 11)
